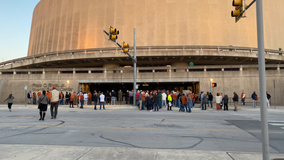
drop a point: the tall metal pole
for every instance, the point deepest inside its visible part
(210, 86)
(274, 96)
(134, 69)
(262, 81)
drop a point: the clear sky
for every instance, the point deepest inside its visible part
(15, 25)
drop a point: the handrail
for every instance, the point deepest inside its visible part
(141, 48)
(142, 68)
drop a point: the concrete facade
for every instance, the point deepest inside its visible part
(229, 79)
(60, 25)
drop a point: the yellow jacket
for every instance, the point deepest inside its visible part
(170, 98)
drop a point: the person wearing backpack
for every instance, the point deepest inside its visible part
(254, 99)
(43, 101)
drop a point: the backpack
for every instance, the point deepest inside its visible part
(256, 98)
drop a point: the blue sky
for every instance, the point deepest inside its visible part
(15, 20)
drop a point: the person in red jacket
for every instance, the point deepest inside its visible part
(184, 103)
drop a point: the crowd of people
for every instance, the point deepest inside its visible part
(146, 100)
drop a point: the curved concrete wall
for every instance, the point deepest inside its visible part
(60, 25)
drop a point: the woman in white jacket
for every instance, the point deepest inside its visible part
(218, 101)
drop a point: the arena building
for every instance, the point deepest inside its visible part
(68, 48)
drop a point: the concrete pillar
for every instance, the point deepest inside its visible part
(153, 71)
(90, 71)
(278, 67)
(29, 72)
(223, 69)
(43, 71)
(205, 70)
(58, 72)
(0, 72)
(121, 71)
(111, 66)
(14, 72)
(74, 71)
(179, 64)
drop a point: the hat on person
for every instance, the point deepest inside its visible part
(53, 87)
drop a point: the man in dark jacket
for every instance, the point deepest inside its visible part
(156, 101)
(95, 100)
(225, 102)
(113, 95)
(254, 98)
(236, 100)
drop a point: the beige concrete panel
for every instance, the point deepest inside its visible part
(60, 25)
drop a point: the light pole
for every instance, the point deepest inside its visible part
(211, 85)
(262, 81)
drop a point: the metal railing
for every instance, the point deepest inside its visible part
(144, 48)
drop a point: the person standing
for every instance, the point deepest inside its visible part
(243, 96)
(183, 103)
(55, 97)
(85, 98)
(170, 100)
(221, 104)
(131, 94)
(61, 101)
(95, 100)
(90, 98)
(143, 100)
(137, 98)
(140, 100)
(38, 95)
(160, 100)
(127, 97)
(10, 102)
(218, 99)
(225, 102)
(113, 96)
(81, 98)
(29, 96)
(254, 98)
(236, 100)
(107, 97)
(203, 100)
(67, 98)
(34, 98)
(43, 102)
(210, 98)
(120, 96)
(74, 98)
(156, 101)
(102, 100)
(71, 100)
(164, 99)
(189, 103)
(174, 99)
(268, 96)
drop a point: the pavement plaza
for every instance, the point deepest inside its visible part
(124, 132)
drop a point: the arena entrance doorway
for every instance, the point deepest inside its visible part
(103, 87)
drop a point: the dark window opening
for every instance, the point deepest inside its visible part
(36, 72)
(271, 68)
(97, 71)
(7, 72)
(231, 69)
(214, 69)
(22, 72)
(82, 71)
(144, 71)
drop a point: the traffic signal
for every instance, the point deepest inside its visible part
(113, 34)
(125, 47)
(214, 85)
(239, 9)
